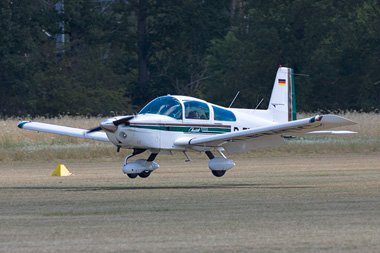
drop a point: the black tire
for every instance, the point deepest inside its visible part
(132, 175)
(218, 173)
(145, 174)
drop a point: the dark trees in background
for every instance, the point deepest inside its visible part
(334, 43)
(118, 55)
(175, 45)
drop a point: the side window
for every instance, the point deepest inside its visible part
(196, 110)
(223, 114)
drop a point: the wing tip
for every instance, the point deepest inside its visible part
(22, 123)
(339, 119)
(334, 119)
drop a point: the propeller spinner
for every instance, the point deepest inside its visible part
(111, 124)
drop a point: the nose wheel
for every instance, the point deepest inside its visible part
(140, 167)
(145, 174)
(132, 175)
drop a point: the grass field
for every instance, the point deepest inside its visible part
(282, 204)
(315, 194)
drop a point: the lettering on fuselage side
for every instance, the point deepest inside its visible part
(237, 129)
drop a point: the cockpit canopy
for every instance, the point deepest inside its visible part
(168, 106)
(194, 109)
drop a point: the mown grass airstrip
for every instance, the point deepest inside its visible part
(268, 204)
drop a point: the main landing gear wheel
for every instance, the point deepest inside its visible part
(145, 174)
(132, 175)
(218, 173)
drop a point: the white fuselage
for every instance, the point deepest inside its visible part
(159, 132)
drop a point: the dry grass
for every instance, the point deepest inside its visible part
(24, 145)
(272, 204)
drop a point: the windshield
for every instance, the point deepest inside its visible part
(168, 106)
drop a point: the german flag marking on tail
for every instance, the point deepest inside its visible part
(282, 82)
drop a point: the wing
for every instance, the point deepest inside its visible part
(62, 130)
(270, 136)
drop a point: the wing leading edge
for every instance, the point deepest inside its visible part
(62, 130)
(271, 136)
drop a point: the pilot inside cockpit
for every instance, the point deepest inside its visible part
(193, 115)
(196, 110)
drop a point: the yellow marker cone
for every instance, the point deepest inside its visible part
(61, 171)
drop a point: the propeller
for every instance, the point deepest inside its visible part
(105, 125)
(94, 130)
(123, 120)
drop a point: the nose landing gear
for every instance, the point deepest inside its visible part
(140, 167)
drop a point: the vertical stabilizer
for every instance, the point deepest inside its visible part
(282, 103)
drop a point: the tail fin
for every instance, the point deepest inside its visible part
(282, 103)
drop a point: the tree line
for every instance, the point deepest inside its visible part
(91, 57)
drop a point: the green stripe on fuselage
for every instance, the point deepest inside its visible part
(186, 129)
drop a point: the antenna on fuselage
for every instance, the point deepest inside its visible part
(257, 106)
(237, 94)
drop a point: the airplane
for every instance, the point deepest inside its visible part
(181, 123)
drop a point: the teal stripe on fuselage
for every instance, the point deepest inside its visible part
(186, 129)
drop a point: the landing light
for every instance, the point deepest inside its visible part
(316, 118)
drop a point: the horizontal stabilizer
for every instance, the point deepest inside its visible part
(330, 132)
